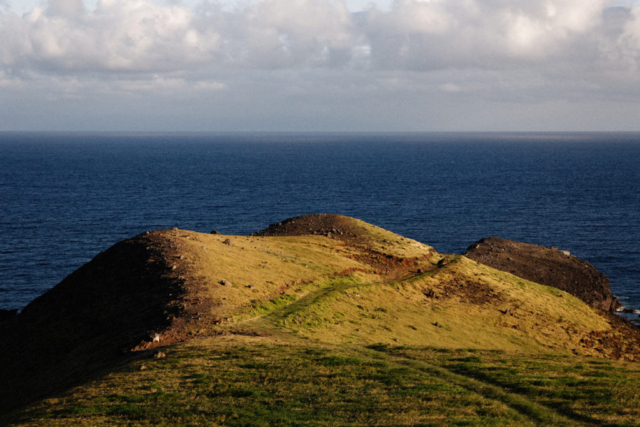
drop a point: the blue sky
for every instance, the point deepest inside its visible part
(320, 65)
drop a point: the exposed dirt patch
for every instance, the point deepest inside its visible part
(622, 341)
(546, 266)
(468, 291)
(390, 265)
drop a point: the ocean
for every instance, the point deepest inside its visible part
(66, 197)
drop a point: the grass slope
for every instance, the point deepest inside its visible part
(357, 326)
(264, 381)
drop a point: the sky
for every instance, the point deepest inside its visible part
(319, 65)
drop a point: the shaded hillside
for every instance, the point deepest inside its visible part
(546, 266)
(314, 282)
(90, 320)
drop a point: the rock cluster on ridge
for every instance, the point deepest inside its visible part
(328, 225)
(546, 266)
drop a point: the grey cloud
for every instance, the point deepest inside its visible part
(416, 35)
(67, 8)
(117, 36)
(408, 67)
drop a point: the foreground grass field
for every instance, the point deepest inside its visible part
(239, 381)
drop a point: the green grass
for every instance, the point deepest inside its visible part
(580, 389)
(239, 382)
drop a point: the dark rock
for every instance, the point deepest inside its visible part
(429, 293)
(329, 225)
(215, 232)
(7, 314)
(443, 262)
(548, 267)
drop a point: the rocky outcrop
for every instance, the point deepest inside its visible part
(329, 225)
(547, 266)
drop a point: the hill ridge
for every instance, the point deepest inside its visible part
(317, 278)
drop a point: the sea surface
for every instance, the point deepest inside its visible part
(66, 197)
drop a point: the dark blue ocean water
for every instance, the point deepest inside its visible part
(64, 198)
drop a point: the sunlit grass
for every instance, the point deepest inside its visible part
(255, 381)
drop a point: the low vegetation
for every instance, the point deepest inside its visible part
(243, 380)
(339, 322)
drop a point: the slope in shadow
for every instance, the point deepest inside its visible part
(88, 321)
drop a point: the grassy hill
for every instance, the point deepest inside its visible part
(319, 320)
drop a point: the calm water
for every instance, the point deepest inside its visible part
(64, 198)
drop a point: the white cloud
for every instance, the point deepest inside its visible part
(139, 35)
(516, 51)
(282, 33)
(430, 34)
(117, 36)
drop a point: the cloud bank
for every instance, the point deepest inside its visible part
(491, 50)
